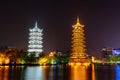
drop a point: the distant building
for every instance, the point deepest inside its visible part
(35, 41)
(116, 51)
(107, 52)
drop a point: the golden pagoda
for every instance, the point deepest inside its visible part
(78, 54)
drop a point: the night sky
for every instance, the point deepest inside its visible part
(100, 17)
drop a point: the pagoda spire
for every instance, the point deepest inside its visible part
(36, 24)
(78, 21)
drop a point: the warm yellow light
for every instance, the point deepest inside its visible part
(78, 39)
(78, 63)
(7, 60)
(79, 73)
(43, 61)
(72, 64)
(78, 55)
(93, 72)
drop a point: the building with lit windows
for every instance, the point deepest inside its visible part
(107, 52)
(35, 41)
(116, 51)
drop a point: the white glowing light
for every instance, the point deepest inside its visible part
(35, 41)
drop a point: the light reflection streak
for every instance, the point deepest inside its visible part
(93, 72)
(52, 74)
(117, 72)
(4, 72)
(79, 73)
(41, 73)
(33, 73)
(44, 72)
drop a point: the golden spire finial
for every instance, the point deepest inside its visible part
(78, 19)
(78, 22)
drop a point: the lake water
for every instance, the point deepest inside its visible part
(60, 72)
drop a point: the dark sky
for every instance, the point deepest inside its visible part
(100, 17)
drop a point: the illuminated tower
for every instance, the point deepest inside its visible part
(35, 41)
(78, 43)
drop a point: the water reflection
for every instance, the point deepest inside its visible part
(4, 73)
(79, 73)
(60, 72)
(93, 72)
(117, 69)
(56, 72)
(45, 73)
(105, 72)
(10, 73)
(33, 73)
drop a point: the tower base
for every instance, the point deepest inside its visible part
(79, 59)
